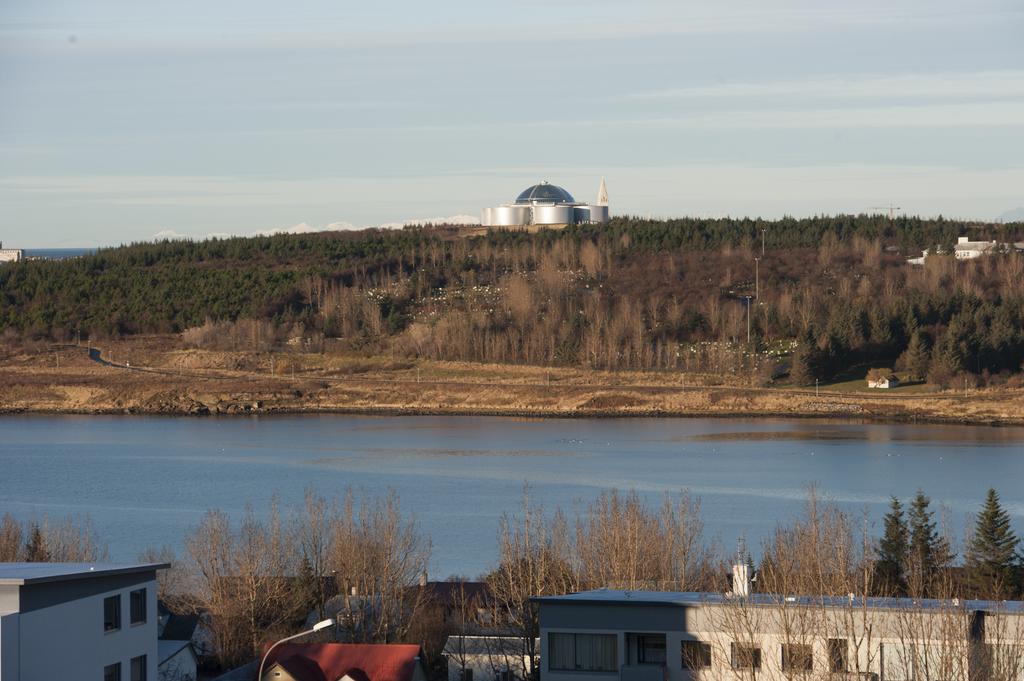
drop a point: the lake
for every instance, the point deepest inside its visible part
(144, 481)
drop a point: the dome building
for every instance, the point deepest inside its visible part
(546, 205)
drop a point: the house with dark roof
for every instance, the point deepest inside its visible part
(345, 662)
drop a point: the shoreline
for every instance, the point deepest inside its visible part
(165, 380)
(392, 411)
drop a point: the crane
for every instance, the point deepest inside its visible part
(891, 208)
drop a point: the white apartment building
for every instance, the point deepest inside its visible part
(607, 635)
(78, 621)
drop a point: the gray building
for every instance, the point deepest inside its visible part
(82, 621)
(546, 205)
(608, 635)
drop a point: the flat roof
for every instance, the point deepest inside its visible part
(698, 598)
(38, 573)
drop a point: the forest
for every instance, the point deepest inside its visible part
(808, 297)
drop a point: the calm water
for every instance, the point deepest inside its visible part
(57, 253)
(144, 481)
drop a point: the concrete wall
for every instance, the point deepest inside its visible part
(61, 632)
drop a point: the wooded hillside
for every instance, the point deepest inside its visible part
(635, 294)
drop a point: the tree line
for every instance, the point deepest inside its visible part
(363, 562)
(634, 294)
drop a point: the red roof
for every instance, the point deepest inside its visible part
(360, 661)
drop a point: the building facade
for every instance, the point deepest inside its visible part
(609, 635)
(546, 205)
(93, 622)
(10, 254)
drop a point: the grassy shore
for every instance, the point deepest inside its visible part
(161, 378)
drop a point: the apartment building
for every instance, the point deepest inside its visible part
(607, 635)
(82, 621)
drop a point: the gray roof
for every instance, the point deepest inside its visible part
(38, 573)
(696, 598)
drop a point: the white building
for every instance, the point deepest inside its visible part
(82, 621)
(965, 249)
(487, 658)
(607, 635)
(10, 254)
(546, 205)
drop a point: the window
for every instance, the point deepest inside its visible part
(112, 672)
(696, 655)
(112, 613)
(797, 657)
(837, 655)
(503, 675)
(139, 668)
(650, 649)
(745, 656)
(137, 603)
(583, 652)
(465, 675)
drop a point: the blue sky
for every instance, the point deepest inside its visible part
(121, 120)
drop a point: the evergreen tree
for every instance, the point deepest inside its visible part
(801, 369)
(918, 356)
(929, 552)
(992, 552)
(892, 552)
(35, 548)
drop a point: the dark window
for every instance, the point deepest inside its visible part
(138, 606)
(745, 657)
(797, 657)
(650, 649)
(837, 655)
(583, 652)
(139, 668)
(112, 672)
(112, 613)
(696, 655)
(465, 675)
(503, 675)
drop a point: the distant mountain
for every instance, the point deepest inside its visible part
(1015, 215)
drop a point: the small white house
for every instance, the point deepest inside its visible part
(176, 661)
(487, 658)
(889, 381)
(11, 254)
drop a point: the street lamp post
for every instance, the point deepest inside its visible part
(757, 279)
(316, 627)
(748, 318)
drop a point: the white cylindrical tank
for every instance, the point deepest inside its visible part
(552, 215)
(507, 216)
(598, 213)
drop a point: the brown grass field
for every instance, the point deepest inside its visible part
(162, 378)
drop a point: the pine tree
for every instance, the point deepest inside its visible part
(992, 553)
(918, 356)
(892, 552)
(929, 552)
(35, 548)
(807, 360)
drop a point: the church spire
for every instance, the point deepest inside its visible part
(602, 194)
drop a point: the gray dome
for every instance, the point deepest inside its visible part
(545, 193)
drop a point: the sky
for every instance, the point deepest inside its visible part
(126, 121)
